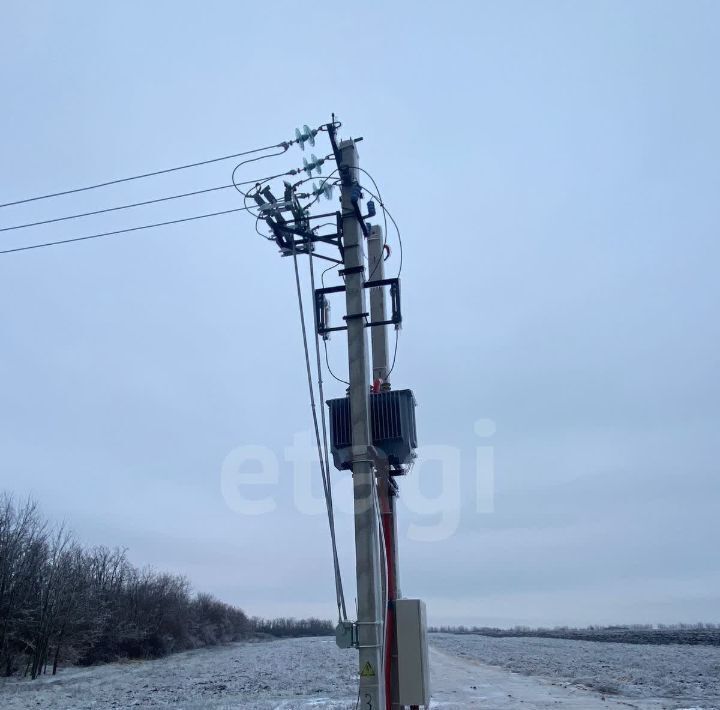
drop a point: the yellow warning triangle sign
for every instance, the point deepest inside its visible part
(367, 670)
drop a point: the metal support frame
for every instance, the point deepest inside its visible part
(396, 314)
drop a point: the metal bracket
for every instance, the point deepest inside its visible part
(355, 316)
(321, 310)
(351, 270)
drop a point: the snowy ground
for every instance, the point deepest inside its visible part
(313, 673)
(682, 676)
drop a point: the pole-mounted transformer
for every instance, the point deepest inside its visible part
(372, 429)
(392, 424)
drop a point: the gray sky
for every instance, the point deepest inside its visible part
(554, 170)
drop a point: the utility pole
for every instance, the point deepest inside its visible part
(390, 631)
(367, 543)
(387, 488)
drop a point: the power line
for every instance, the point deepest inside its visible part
(129, 206)
(327, 362)
(379, 199)
(392, 367)
(284, 147)
(331, 513)
(339, 594)
(392, 219)
(122, 231)
(252, 160)
(386, 214)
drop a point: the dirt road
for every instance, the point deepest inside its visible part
(463, 683)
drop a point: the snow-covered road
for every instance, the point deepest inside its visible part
(289, 675)
(463, 683)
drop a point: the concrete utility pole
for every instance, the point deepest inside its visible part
(376, 266)
(367, 544)
(390, 632)
(387, 491)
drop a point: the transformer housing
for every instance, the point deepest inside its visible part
(392, 427)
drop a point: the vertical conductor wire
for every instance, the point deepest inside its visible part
(339, 594)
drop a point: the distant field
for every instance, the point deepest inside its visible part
(611, 634)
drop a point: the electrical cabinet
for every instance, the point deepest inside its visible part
(413, 665)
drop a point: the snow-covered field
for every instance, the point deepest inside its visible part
(314, 673)
(263, 675)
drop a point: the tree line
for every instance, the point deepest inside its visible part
(63, 604)
(285, 628)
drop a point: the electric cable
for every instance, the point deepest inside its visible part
(329, 499)
(392, 367)
(122, 231)
(252, 160)
(320, 226)
(264, 236)
(329, 268)
(379, 199)
(325, 474)
(397, 229)
(327, 362)
(391, 581)
(284, 145)
(383, 556)
(129, 206)
(386, 214)
(400, 243)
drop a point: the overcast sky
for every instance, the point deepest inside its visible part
(554, 168)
